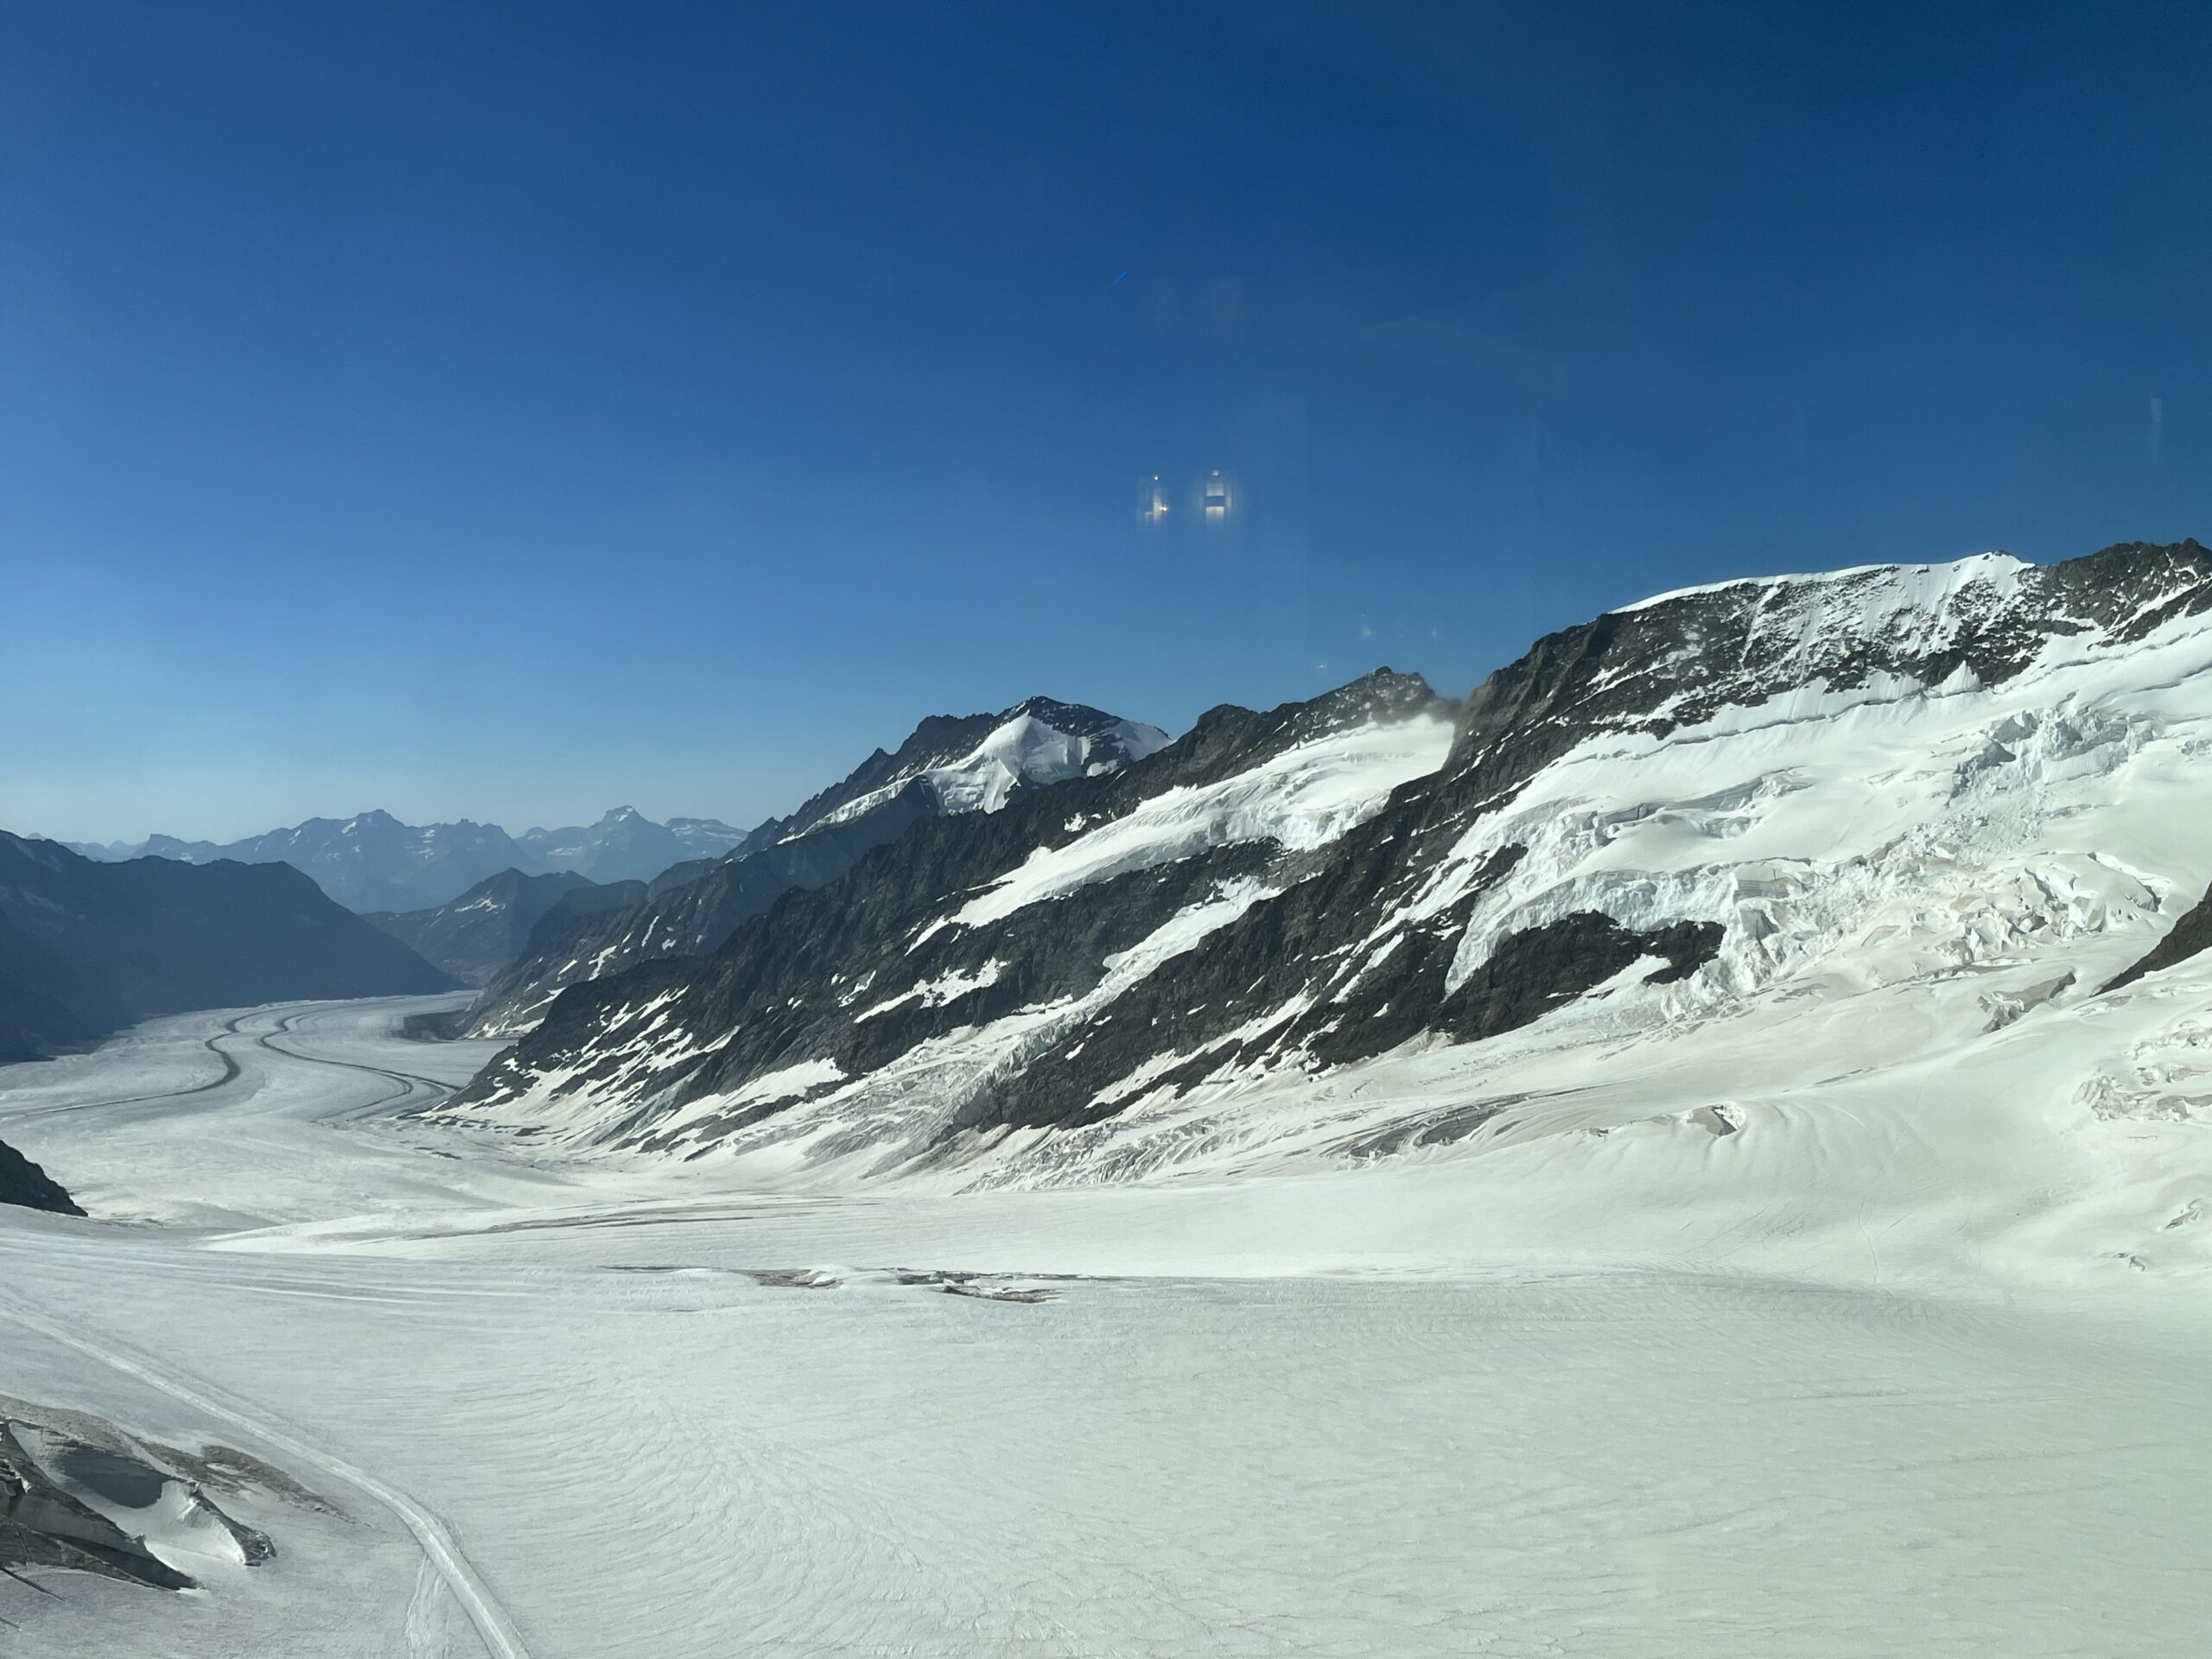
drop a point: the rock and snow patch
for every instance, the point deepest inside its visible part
(936, 992)
(1303, 798)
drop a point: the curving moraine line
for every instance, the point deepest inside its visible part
(230, 1071)
(406, 1080)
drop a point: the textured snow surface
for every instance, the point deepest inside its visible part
(1909, 1362)
(1847, 1297)
(1901, 871)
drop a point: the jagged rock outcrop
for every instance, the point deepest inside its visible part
(80, 1494)
(2190, 936)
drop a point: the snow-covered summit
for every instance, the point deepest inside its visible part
(1863, 635)
(951, 765)
(1921, 588)
(1034, 743)
(977, 763)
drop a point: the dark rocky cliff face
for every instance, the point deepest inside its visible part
(859, 929)
(626, 923)
(23, 1182)
(1228, 954)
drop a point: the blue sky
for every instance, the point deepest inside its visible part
(506, 412)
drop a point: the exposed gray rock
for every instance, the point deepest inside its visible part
(691, 908)
(2188, 936)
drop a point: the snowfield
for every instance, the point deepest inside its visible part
(1856, 1370)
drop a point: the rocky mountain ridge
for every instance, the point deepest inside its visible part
(1661, 814)
(951, 765)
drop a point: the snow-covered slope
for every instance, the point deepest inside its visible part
(1673, 867)
(949, 766)
(1776, 1378)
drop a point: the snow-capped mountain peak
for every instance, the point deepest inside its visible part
(1036, 742)
(979, 762)
(949, 766)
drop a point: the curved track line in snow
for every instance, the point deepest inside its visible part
(406, 1080)
(230, 1070)
(501, 1639)
(422, 1640)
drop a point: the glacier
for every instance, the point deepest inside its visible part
(1688, 1183)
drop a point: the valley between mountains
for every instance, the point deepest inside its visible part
(1699, 1147)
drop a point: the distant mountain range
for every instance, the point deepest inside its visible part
(372, 861)
(373, 864)
(87, 947)
(626, 846)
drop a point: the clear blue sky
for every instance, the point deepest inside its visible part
(504, 412)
